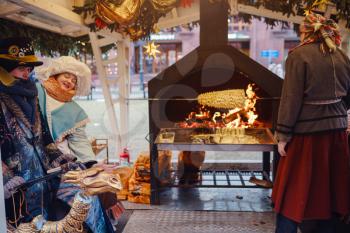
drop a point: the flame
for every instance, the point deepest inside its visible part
(235, 118)
(216, 114)
(235, 123)
(252, 117)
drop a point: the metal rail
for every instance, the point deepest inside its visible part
(222, 179)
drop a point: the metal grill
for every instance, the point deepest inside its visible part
(225, 179)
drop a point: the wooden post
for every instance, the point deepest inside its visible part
(123, 60)
(116, 138)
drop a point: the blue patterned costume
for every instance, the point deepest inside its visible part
(28, 151)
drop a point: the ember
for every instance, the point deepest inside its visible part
(244, 117)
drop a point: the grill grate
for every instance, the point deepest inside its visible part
(224, 179)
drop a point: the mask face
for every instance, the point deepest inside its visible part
(67, 81)
(22, 72)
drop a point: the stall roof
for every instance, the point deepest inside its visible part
(57, 15)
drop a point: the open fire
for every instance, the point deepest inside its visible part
(239, 117)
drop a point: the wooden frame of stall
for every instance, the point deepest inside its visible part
(57, 16)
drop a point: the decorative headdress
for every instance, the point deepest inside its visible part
(66, 64)
(319, 29)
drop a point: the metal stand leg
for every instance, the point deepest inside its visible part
(276, 158)
(155, 200)
(266, 163)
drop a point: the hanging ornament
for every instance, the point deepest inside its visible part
(124, 13)
(186, 3)
(151, 49)
(100, 24)
(163, 5)
(135, 34)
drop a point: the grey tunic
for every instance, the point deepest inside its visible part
(312, 93)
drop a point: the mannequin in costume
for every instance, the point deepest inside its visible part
(27, 149)
(61, 80)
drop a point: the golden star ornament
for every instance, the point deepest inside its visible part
(151, 49)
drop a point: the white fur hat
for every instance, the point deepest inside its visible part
(70, 65)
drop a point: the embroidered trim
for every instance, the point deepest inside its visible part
(283, 132)
(72, 130)
(322, 131)
(323, 118)
(285, 126)
(48, 112)
(322, 102)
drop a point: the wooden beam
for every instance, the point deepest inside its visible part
(34, 23)
(52, 10)
(190, 15)
(234, 7)
(123, 86)
(263, 12)
(330, 8)
(180, 16)
(73, 29)
(82, 32)
(180, 20)
(72, 23)
(174, 12)
(7, 8)
(108, 40)
(110, 61)
(108, 34)
(107, 94)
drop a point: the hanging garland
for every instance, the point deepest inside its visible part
(296, 7)
(49, 43)
(137, 18)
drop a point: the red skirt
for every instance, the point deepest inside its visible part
(313, 180)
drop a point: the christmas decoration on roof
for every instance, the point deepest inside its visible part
(135, 18)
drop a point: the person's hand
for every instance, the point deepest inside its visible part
(10, 186)
(282, 148)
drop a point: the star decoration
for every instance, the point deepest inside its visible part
(151, 49)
